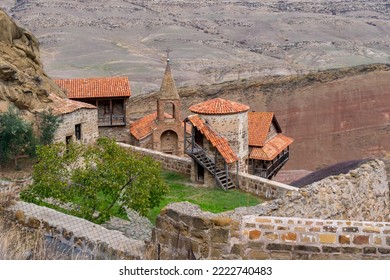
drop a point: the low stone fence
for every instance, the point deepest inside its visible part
(168, 162)
(183, 231)
(89, 238)
(260, 186)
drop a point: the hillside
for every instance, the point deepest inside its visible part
(212, 41)
(333, 115)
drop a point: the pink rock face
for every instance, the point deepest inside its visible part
(337, 121)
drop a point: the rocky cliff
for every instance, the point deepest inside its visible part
(23, 81)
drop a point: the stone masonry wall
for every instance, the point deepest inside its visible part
(183, 231)
(89, 127)
(168, 162)
(118, 133)
(261, 187)
(362, 194)
(298, 238)
(235, 128)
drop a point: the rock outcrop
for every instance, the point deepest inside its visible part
(23, 81)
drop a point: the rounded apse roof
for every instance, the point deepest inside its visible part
(218, 106)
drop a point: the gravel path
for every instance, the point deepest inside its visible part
(138, 227)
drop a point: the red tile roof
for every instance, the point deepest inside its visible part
(145, 125)
(259, 124)
(95, 87)
(218, 106)
(272, 148)
(219, 142)
(63, 106)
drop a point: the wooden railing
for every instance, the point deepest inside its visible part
(112, 120)
(273, 168)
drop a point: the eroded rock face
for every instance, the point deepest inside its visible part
(23, 81)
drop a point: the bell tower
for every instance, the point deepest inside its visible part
(168, 136)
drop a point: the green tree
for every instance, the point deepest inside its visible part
(48, 126)
(100, 180)
(16, 136)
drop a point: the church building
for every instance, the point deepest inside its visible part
(162, 130)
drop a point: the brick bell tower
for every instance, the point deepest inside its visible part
(168, 137)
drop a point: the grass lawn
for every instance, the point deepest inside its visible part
(214, 200)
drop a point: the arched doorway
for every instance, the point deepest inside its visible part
(169, 141)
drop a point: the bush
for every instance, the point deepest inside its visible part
(16, 136)
(48, 126)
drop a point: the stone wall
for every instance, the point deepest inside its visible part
(88, 238)
(235, 128)
(261, 187)
(168, 162)
(118, 133)
(298, 238)
(362, 194)
(89, 128)
(183, 231)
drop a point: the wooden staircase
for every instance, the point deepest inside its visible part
(221, 176)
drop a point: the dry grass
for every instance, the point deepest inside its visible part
(19, 243)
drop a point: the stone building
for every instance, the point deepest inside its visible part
(225, 137)
(78, 120)
(163, 129)
(110, 95)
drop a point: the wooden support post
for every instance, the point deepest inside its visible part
(215, 168)
(185, 137)
(110, 111)
(237, 184)
(192, 139)
(227, 175)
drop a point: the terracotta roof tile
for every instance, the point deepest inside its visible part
(259, 124)
(219, 142)
(218, 106)
(145, 125)
(95, 87)
(63, 106)
(272, 148)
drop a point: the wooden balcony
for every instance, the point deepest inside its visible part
(272, 169)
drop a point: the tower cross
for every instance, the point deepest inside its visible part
(168, 51)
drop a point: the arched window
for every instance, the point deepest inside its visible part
(169, 108)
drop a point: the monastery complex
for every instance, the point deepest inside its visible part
(220, 136)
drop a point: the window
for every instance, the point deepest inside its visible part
(77, 129)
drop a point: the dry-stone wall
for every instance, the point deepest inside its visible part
(362, 194)
(340, 217)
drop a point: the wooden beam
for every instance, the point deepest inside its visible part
(110, 111)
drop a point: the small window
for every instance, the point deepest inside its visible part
(68, 140)
(77, 129)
